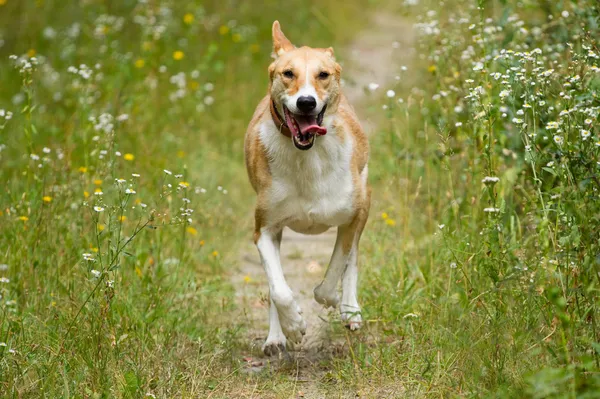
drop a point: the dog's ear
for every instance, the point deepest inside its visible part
(330, 51)
(281, 44)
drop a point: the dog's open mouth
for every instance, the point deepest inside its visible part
(305, 128)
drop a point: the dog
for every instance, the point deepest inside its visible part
(306, 156)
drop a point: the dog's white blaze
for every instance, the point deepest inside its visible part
(310, 190)
(306, 90)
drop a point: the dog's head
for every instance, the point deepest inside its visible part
(304, 86)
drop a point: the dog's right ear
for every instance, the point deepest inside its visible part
(281, 44)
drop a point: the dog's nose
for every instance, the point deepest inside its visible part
(306, 103)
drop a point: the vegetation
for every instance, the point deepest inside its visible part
(126, 200)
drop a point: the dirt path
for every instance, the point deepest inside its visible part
(305, 258)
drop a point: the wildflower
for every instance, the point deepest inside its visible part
(191, 230)
(391, 93)
(120, 181)
(178, 55)
(202, 242)
(167, 171)
(585, 134)
(3, 267)
(88, 257)
(384, 215)
(86, 194)
(46, 198)
(373, 86)
(23, 218)
(223, 29)
(95, 273)
(458, 124)
(236, 38)
(188, 18)
(140, 63)
(453, 265)
(588, 121)
(129, 157)
(82, 169)
(184, 184)
(550, 164)
(215, 253)
(431, 68)
(390, 222)
(135, 175)
(130, 191)
(97, 182)
(478, 66)
(552, 125)
(4, 280)
(247, 279)
(98, 209)
(559, 140)
(101, 227)
(491, 210)
(441, 226)
(122, 218)
(490, 180)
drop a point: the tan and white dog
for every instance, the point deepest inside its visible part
(306, 156)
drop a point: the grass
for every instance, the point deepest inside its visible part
(473, 287)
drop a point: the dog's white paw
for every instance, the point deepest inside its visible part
(273, 347)
(326, 297)
(351, 316)
(290, 319)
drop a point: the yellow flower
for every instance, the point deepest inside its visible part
(138, 271)
(194, 85)
(122, 218)
(23, 218)
(223, 30)
(138, 201)
(178, 55)
(2, 2)
(390, 222)
(139, 63)
(97, 182)
(184, 184)
(384, 215)
(236, 37)
(255, 48)
(53, 303)
(247, 279)
(98, 190)
(101, 227)
(180, 154)
(202, 242)
(188, 18)
(94, 249)
(31, 53)
(82, 169)
(129, 157)
(46, 198)
(432, 68)
(86, 194)
(215, 253)
(191, 230)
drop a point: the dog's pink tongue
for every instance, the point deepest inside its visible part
(308, 124)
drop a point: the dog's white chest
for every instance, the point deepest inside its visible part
(310, 190)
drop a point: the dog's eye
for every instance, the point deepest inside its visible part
(288, 74)
(323, 75)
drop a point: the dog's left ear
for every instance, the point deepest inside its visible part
(281, 44)
(330, 51)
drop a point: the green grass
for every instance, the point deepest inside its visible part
(460, 302)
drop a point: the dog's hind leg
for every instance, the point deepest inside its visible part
(344, 262)
(284, 312)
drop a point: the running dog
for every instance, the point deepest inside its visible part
(306, 156)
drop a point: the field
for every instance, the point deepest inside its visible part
(126, 214)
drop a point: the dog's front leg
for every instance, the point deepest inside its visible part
(284, 315)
